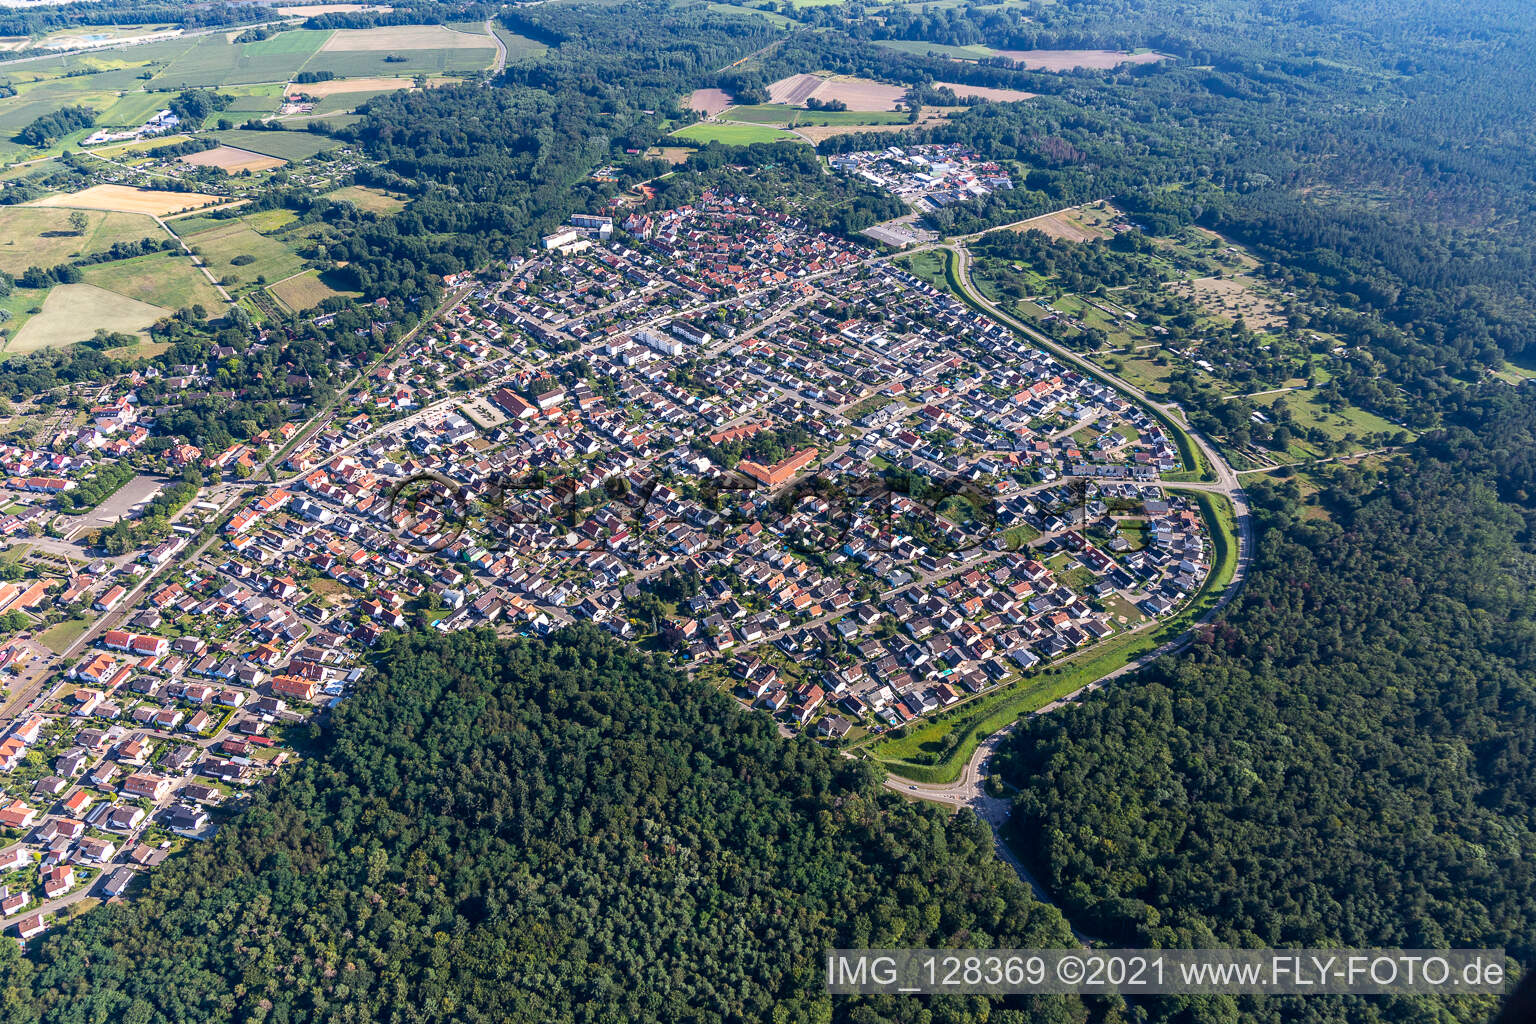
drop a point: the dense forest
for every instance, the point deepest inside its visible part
(1345, 758)
(542, 831)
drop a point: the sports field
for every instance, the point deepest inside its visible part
(734, 134)
(74, 312)
(126, 199)
(42, 237)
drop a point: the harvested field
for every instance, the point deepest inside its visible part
(709, 101)
(794, 90)
(126, 199)
(232, 160)
(1068, 60)
(986, 92)
(857, 93)
(351, 85)
(1080, 224)
(1233, 298)
(861, 93)
(671, 154)
(404, 37)
(74, 312)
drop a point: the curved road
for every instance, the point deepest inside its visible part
(501, 48)
(969, 790)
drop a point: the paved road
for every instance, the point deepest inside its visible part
(32, 697)
(501, 48)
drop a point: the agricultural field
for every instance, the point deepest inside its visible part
(404, 37)
(126, 199)
(132, 109)
(74, 312)
(46, 93)
(709, 101)
(220, 246)
(214, 61)
(291, 146)
(42, 236)
(232, 160)
(249, 101)
(269, 221)
(339, 103)
(305, 291)
(858, 93)
(374, 85)
(408, 49)
(370, 199)
(733, 134)
(373, 63)
(782, 116)
(166, 279)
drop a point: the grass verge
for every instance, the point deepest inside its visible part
(1189, 452)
